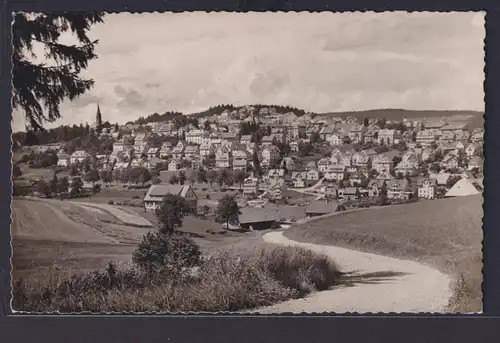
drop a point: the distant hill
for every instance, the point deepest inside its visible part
(475, 120)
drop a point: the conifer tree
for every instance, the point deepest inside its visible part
(40, 87)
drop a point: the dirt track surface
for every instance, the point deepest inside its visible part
(373, 283)
(124, 215)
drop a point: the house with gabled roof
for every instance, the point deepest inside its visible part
(384, 162)
(191, 152)
(312, 175)
(174, 165)
(472, 149)
(345, 159)
(63, 159)
(475, 162)
(323, 164)
(398, 189)
(294, 146)
(152, 152)
(361, 159)
(449, 162)
(155, 194)
(270, 153)
(222, 158)
(426, 155)
(374, 187)
(460, 130)
(426, 188)
(405, 167)
(357, 134)
(335, 172)
(299, 179)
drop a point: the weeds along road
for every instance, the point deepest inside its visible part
(373, 283)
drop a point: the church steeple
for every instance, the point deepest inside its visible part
(98, 117)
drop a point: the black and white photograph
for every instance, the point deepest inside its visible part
(272, 162)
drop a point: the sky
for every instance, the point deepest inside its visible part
(320, 62)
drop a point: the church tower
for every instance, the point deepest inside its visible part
(98, 118)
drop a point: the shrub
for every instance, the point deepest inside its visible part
(299, 269)
(163, 250)
(223, 282)
(111, 202)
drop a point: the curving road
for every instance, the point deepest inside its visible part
(373, 283)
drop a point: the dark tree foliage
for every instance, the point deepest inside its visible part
(227, 211)
(39, 88)
(16, 171)
(171, 212)
(159, 250)
(256, 164)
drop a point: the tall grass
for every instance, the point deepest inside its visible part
(224, 282)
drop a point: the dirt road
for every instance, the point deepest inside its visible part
(373, 283)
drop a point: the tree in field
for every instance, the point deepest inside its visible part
(92, 176)
(256, 164)
(383, 194)
(171, 212)
(39, 88)
(227, 211)
(145, 176)
(452, 180)
(173, 180)
(211, 176)
(63, 185)
(135, 173)
(201, 175)
(76, 186)
(239, 177)
(182, 177)
(42, 187)
(54, 184)
(16, 171)
(434, 167)
(191, 178)
(73, 170)
(222, 176)
(209, 160)
(171, 252)
(365, 122)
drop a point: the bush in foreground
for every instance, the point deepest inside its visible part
(221, 283)
(159, 250)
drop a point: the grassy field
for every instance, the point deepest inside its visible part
(223, 282)
(46, 233)
(39, 173)
(83, 236)
(63, 248)
(443, 233)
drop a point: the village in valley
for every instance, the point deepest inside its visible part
(281, 164)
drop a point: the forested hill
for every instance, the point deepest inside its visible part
(398, 114)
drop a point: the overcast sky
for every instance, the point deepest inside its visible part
(322, 62)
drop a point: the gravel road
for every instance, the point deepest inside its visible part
(373, 283)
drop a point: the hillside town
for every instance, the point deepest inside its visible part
(264, 154)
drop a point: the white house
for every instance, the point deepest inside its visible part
(427, 188)
(299, 179)
(78, 156)
(63, 159)
(174, 165)
(270, 153)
